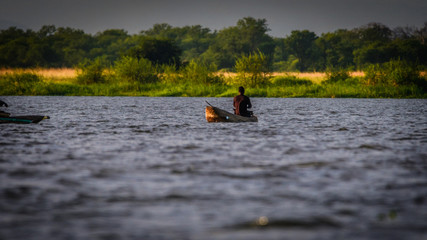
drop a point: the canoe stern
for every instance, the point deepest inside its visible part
(214, 114)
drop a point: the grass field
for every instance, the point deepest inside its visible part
(57, 73)
(54, 75)
(64, 81)
(66, 74)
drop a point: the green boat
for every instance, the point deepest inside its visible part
(22, 119)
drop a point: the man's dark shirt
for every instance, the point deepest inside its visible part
(241, 104)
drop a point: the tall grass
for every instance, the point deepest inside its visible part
(395, 73)
(91, 71)
(20, 84)
(200, 73)
(200, 80)
(252, 70)
(136, 71)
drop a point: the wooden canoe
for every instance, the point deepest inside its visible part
(23, 119)
(214, 114)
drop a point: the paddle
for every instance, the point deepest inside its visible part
(209, 103)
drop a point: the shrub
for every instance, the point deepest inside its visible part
(136, 71)
(169, 74)
(336, 75)
(19, 83)
(394, 73)
(252, 70)
(286, 66)
(200, 73)
(400, 72)
(291, 81)
(91, 71)
(375, 75)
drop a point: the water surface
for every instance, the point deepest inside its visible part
(153, 168)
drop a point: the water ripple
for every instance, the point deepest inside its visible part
(153, 168)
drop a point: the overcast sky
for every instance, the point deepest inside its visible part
(282, 16)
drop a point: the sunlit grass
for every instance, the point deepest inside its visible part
(52, 75)
(63, 81)
(66, 75)
(57, 73)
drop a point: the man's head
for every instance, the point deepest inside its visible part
(241, 90)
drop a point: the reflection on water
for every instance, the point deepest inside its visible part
(153, 168)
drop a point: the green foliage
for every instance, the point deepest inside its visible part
(164, 44)
(136, 71)
(192, 40)
(377, 52)
(290, 81)
(290, 65)
(338, 47)
(336, 75)
(91, 71)
(247, 36)
(109, 44)
(19, 84)
(200, 73)
(194, 73)
(288, 86)
(158, 51)
(302, 45)
(393, 73)
(374, 32)
(252, 69)
(169, 74)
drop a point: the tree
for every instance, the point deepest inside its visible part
(409, 50)
(73, 45)
(248, 36)
(109, 44)
(374, 32)
(158, 51)
(421, 34)
(162, 30)
(302, 45)
(13, 47)
(192, 40)
(253, 33)
(337, 48)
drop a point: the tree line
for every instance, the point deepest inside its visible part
(302, 50)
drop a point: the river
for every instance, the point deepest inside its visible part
(153, 168)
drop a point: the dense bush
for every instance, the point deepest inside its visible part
(91, 71)
(252, 69)
(401, 72)
(290, 65)
(169, 74)
(19, 83)
(200, 73)
(394, 73)
(164, 44)
(158, 51)
(336, 75)
(291, 81)
(136, 71)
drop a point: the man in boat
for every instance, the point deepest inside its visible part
(241, 104)
(3, 114)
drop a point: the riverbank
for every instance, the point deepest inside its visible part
(65, 82)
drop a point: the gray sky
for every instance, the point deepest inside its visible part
(282, 16)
